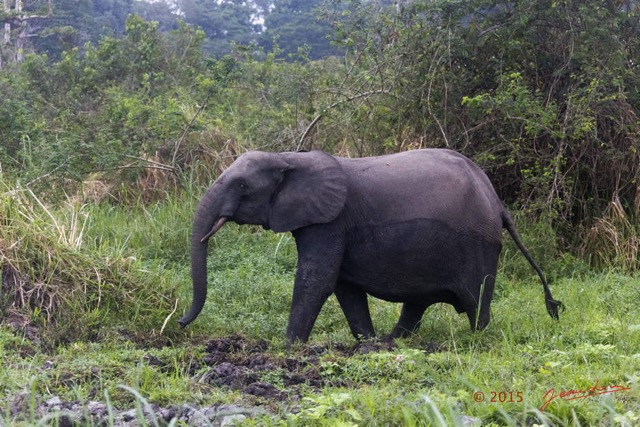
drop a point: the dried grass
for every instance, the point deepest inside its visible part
(212, 152)
(207, 154)
(96, 190)
(613, 240)
(156, 180)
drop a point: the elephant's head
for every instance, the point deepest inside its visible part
(283, 192)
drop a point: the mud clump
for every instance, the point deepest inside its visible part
(245, 366)
(265, 379)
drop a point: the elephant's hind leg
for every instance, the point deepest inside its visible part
(409, 321)
(478, 307)
(355, 306)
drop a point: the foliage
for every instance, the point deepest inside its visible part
(112, 107)
(543, 95)
(225, 23)
(613, 240)
(18, 118)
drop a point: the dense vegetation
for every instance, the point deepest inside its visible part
(107, 138)
(544, 95)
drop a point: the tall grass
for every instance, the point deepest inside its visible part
(52, 278)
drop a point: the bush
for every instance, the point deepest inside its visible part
(49, 278)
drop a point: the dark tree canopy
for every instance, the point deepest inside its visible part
(295, 24)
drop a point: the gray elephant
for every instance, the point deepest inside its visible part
(418, 227)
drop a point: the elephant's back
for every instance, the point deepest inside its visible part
(434, 184)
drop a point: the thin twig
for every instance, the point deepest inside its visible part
(60, 166)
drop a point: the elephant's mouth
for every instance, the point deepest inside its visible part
(214, 229)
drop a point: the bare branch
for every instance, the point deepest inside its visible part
(315, 121)
(153, 165)
(186, 130)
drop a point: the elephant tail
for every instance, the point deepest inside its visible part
(553, 306)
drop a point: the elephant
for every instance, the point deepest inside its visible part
(417, 227)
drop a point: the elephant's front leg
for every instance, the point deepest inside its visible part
(311, 290)
(319, 259)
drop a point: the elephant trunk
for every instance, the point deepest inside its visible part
(205, 225)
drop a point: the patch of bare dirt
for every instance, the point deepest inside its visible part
(247, 366)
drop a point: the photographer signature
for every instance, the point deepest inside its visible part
(594, 390)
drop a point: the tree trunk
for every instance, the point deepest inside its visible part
(16, 21)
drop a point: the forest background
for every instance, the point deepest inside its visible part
(135, 96)
(116, 114)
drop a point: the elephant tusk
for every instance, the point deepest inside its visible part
(214, 229)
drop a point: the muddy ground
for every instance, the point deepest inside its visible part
(265, 381)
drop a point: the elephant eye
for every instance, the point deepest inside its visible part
(242, 185)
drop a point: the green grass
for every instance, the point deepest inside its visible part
(523, 353)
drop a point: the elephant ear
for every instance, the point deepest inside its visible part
(313, 191)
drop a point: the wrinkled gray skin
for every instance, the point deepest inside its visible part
(418, 227)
